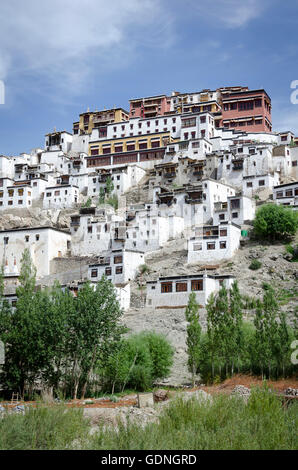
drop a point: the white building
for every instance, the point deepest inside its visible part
(195, 203)
(257, 184)
(122, 292)
(58, 141)
(119, 266)
(149, 230)
(6, 167)
(62, 196)
(173, 291)
(44, 244)
(237, 209)
(95, 230)
(286, 194)
(123, 178)
(15, 196)
(213, 243)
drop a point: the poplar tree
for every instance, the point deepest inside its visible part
(270, 309)
(109, 186)
(284, 342)
(237, 339)
(211, 344)
(193, 337)
(261, 342)
(24, 353)
(102, 195)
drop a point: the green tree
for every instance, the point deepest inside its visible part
(193, 335)
(143, 269)
(61, 308)
(161, 353)
(283, 346)
(113, 201)
(236, 329)
(102, 195)
(211, 332)
(275, 222)
(117, 367)
(109, 186)
(138, 361)
(25, 353)
(95, 328)
(270, 310)
(261, 349)
(88, 202)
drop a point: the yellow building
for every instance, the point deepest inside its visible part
(130, 144)
(94, 119)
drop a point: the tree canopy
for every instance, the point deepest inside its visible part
(275, 221)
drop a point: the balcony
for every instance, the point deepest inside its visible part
(165, 199)
(221, 206)
(170, 174)
(120, 234)
(103, 178)
(75, 222)
(193, 200)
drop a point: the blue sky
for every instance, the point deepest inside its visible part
(59, 57)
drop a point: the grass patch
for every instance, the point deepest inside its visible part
(285, 295)
(225, 423)
(43, 428)
(255, 264)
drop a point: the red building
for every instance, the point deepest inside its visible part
(150, 107)
(246, 110)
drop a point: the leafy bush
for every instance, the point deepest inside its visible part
(275, 222)
(293, 251)
(139, 360)
(255, 264)
(161, 353)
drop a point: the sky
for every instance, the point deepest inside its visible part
(60, 57)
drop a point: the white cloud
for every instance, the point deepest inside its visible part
(62, 42)
(230, 13)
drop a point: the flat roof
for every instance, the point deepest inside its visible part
(101, 111)
(39, 227)
(285, 184)
(62, 186)
(192, 276)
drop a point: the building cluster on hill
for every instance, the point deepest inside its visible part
(188, 165)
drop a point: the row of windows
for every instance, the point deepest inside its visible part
(20, 192)
(209, 246)
(148, 123)
(119, 147)
(244, 105)
(196, 285)
(251, 122)
(108, 271)
(10, 203)
(250, 184)
(287, 193)
(27, 238)
(56, 193)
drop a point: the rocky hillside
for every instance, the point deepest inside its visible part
(276, 269)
